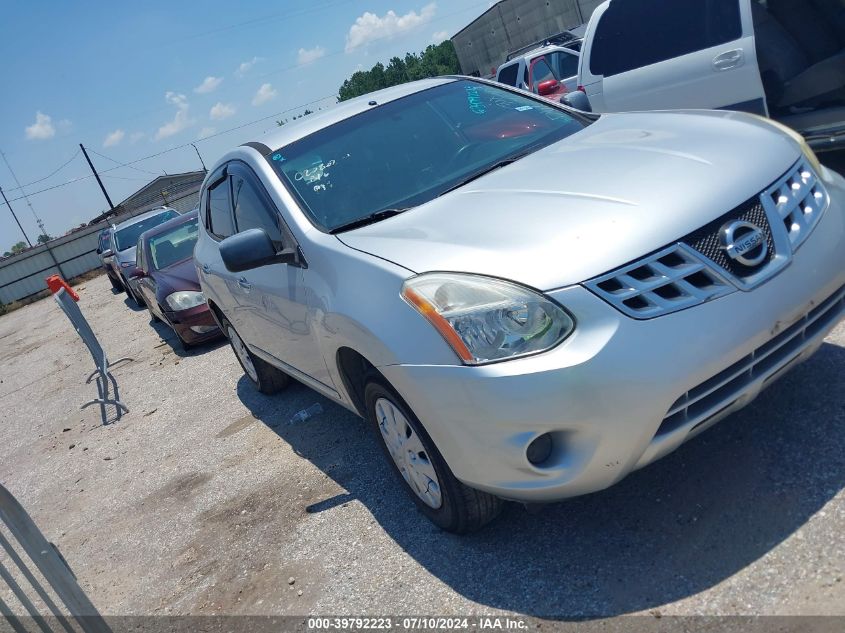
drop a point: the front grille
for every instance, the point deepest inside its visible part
(798, 201)
(713, 396)
(708, 240)
(786, 213)
(673, 279)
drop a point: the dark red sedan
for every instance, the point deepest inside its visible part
(167, 280)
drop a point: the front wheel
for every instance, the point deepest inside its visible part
(115, 284)
(449, 504)
(131, 294)
(266, 378)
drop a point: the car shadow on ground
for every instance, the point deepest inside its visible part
(667, 532)
(129, 303)
(170, 338)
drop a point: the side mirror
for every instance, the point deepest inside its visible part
(107, 253)
(545, 88)
(253, 249)
(137, 273)
(577, 100)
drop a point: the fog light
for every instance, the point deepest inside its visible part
(540, 449)
(203, 329)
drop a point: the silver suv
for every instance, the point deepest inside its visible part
(123, 242)
(525, 302)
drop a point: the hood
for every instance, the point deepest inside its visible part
(180, 276)
(623, 187)
(127, 255)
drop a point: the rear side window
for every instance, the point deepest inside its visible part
(508, 74)
(220, 210)
(565, 65)
(251, 209)
(629, 37)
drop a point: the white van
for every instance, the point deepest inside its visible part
(779, 58)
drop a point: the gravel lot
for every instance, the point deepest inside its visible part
(204, 499)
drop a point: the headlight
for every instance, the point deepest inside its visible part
(485, 319)
(809, 154)
(185, 299)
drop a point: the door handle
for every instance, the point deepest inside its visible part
(243, 283)
(729, 60)
(206, 268)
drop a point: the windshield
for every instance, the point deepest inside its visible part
(174, 246)
(128, 237)
(411, 150)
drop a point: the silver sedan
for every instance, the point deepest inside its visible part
(527, 302)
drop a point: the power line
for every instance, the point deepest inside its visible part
(172, 149)
(53, 173)
(146, 171)
(28, 203)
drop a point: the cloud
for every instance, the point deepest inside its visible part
(369, 26)
(206, 132)
(439, 37)
(265, 93)
(136, 136)
(209, 84)
(114, 138)
(181, 119)
(308, 55)
(42, 129)
(245, 67)
(220, 111)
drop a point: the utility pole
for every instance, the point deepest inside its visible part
(204, 168)
(97, 176)
(3, 193)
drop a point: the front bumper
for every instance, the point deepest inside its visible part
(194, 325)
(621, 393)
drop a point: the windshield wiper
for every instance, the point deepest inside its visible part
(475, 176)
(369, 219)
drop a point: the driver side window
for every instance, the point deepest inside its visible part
(253, 210)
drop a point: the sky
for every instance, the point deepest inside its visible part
(134, 80)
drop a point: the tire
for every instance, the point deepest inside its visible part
(131, 294)
(115, 284)
(461, 509)
(266, 378)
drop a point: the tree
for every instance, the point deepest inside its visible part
(7, 254)
(44, 238)
(432, 62)
(19, 247)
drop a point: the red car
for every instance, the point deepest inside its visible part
(166, 280)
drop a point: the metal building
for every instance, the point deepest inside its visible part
(483, 44)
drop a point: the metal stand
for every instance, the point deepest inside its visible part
(107, 395)
(54, 569)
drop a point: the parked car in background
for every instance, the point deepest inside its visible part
(124, 240)
(549, 71)
(103, 245)
(167, 280)
(512, 335)
(779, 58)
